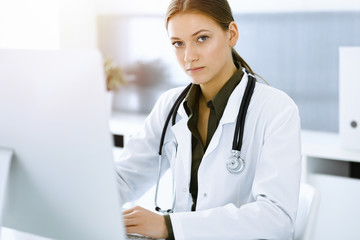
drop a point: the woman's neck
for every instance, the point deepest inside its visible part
(211, 88)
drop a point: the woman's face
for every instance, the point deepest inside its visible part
(202, 47)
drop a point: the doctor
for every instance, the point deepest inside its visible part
(232, 144)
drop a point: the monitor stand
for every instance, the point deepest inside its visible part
(5, 160)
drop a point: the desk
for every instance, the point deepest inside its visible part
(327, 167)
(126, 124)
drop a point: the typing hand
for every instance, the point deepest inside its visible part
(142, 221)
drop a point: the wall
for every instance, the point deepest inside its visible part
(47, 24)
(51, 24)
(296, 52)
(77, 24)
(299, 54)
(293, 5)
(159, 6)
(29, 24)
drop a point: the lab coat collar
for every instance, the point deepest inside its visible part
(234, 102)
(232, 108)
(230, 113)
(183, 134)
(183, 138)
(182, 112)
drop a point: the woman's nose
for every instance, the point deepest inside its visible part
(190, 53)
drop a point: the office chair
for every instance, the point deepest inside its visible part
(309, 202)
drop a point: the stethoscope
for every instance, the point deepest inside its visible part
(234, 164)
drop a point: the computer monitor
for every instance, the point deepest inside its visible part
(62, 182)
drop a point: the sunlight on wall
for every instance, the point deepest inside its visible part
(293, 5)
(29, 24)
(131, 7)
(160, 6)
(77, 23)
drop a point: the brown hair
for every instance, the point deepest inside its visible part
(218, 10)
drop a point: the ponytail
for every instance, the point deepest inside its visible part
(238, 58)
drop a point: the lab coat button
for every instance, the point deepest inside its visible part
(205, 195)
(184, 189)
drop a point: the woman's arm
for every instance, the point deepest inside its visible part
(137, 167)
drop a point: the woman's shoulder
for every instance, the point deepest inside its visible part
(274, 109)
(168, 98)
(273, 97)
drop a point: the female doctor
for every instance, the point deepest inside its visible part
(233, 144)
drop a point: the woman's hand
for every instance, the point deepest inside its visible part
(142, 221)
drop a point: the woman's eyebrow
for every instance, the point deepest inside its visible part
(202, 30)
(194, 34)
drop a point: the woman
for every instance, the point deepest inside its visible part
(257, 201)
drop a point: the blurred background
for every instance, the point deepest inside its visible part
(293, 45)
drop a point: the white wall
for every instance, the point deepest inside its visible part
(159, 6)
(293, 5)
(47, 24)
(29, 24)
(77, 24)
(131, 7)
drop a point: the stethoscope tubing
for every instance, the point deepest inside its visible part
(172, 114)
(240, 122)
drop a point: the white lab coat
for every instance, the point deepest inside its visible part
(259, 203)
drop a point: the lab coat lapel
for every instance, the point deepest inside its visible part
(183, 138)
(230, 114)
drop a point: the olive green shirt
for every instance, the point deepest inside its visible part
(217, 106)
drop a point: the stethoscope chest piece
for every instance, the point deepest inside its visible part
(235, 164)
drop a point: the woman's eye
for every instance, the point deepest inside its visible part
(202, 38)
(177, 44)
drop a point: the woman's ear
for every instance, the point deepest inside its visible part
(234, 34)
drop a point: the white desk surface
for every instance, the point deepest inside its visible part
(11, 234)
(326, 145)
(126, 123)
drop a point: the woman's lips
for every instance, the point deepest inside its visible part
(194, 69)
